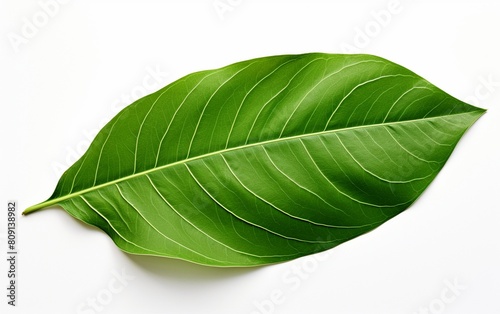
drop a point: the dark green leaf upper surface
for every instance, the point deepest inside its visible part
(265, 160)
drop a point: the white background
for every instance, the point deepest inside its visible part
(63, 77)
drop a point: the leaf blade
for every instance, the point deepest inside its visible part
(304, 149)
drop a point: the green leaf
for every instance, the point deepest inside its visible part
(264, 160)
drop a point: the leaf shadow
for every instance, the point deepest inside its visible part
(181, 270)
(170, 268)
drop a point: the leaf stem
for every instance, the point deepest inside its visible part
(39, 206)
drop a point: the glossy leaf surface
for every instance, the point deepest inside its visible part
(265, 160)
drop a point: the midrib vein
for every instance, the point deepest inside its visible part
(226, 150)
